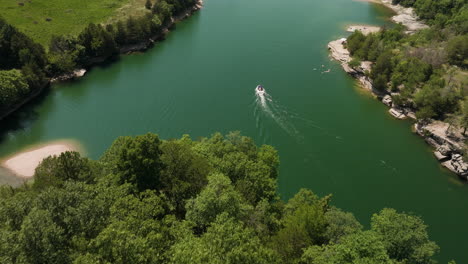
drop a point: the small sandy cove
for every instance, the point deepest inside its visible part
(365, 29)
(23, 164)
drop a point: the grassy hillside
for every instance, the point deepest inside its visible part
(66, 16)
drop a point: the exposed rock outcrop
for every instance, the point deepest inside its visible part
(397, 113)
(365, 29)
(341, 54)
(448, 150)
(405, 16)
(387, 100)
(69, 76)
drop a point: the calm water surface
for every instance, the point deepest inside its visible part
(331, 136)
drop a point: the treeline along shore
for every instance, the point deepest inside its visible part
(419, 69)
(27, 68)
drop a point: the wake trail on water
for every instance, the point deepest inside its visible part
(283, 117)
(267, 105)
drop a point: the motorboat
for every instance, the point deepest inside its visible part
(259, 90)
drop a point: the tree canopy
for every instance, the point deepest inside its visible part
(148, 200)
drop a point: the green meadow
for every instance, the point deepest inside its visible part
(40, 19)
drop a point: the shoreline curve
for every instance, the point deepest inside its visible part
(24, 162)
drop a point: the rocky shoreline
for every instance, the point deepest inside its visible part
(405, 16)
(448, 147)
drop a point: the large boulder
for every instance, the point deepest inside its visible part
(445, 150)
(387, 100)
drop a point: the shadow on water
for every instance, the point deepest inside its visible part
(23, 117)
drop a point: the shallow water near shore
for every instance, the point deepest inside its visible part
(334, 138)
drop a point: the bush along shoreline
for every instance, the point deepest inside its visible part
(420, 74)
(26, 68)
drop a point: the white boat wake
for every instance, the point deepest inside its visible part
(282, 116)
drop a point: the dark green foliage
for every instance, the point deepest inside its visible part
(13, 87)
(380, 82)
(18, 51)
(411, 73)
(136, 161)
(457, 51)
(56, 170)
(252, 170)
(383, 66)
(404, 236)
(64, 52)
(354, 63)
(354, 44)
(218, 197)
(304, 225)
(163, 9)
(361, 247)
(125, 208)
(340, 224)
(148, 4)
(41, 240)
(415, 66)
(97, 41)
(184, 173)
(226, 241)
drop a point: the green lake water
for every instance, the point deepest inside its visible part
(332, 137)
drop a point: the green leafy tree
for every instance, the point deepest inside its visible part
(41, 240)
(380, 83)
(69, 165)
(97, 42)
(13, 88)
(136, 160)
(184, 173)
(361, 247)
(457, 51)
(121, 33)
(218, 197)
(304, 225)
(405, 236)
(116, 244)
(163, 10)
(464, 115)
(340, 224)
(226, 241)
(354, 63)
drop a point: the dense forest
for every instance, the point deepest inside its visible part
(214, 200)
(26, 67)
(425, 71)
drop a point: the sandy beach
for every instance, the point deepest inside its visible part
(24, 163)
(365, 29)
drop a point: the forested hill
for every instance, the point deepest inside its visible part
(26, 67)
(425, 71)
(214, 200)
